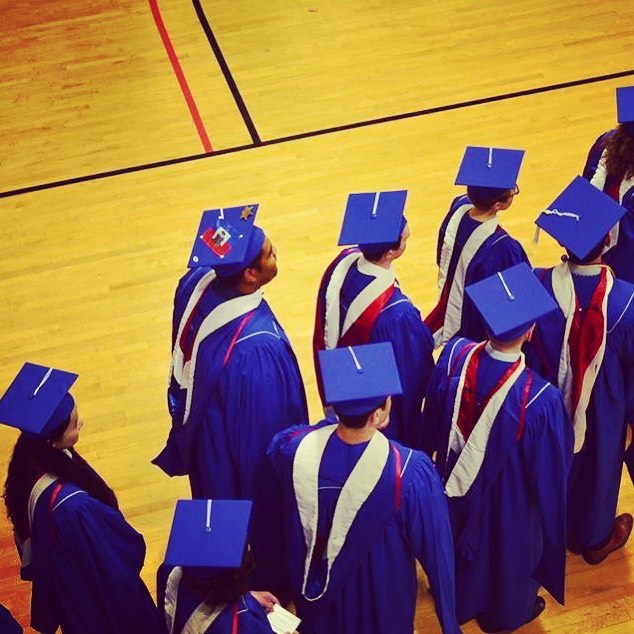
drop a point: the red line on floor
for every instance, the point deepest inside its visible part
(180, 76)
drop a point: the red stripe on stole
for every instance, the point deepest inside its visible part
(359, 333)
(399, 477)
(187, 348)
(469, 412)
(527, 389)
(51, 504)
(436, 318)
(319, 331)
(245, 320)
(586, 333)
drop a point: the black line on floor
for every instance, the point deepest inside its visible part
(314, 133)
(224, 67)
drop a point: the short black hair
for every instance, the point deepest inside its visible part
(233, 280)
(486, 197)
(595, 252)
(358, 420)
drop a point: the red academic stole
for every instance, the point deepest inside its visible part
(470, 411)
(583, 341)
(471, 424)
(446, 318)
(363, 311)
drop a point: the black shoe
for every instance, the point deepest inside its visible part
(486, 626)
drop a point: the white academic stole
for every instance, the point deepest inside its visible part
(358, 487)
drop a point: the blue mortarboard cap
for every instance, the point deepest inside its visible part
(209, 534)
(580, 217)
(493, 168)
(37, 401)
(625, 104)
(374, 220)
(358, 379)
(511, 301)
(227, 240)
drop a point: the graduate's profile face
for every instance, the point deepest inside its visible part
(71, 433)
(267, 268)
(403, 245)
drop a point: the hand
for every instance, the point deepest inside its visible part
(265, 599)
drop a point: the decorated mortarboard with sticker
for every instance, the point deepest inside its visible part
(625, 104)
(511, 301)
(209, 534)
(357, 379)
(37, 401)
(489, 167)
(227, 240)
(580, 217)
(374, 220)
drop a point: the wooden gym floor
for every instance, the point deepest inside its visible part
(123, 120)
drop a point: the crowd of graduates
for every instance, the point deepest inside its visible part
(486, 466)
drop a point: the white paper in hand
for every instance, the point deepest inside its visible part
(282, 621)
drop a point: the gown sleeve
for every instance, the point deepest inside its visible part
(413, 346)
(549, 449)
(426, 518)
(261, 393)
(97, 558)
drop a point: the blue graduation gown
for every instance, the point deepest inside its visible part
(510, 527)
(399, 323)
(236, 407)
(498, 252)
(252, 618)
(620, 257)
(595, 477)
(8, 625)
(373, 581)
(86, 562)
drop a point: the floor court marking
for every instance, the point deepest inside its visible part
(305, 135)
(224, 67)
(180, 76)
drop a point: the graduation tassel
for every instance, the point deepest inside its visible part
(490, 159)
(375, 206)
(506, 288)
(356, 361)
(37, 389)
(208, 524)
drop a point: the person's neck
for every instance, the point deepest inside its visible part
(385, 262)
(233, 290)
(511, 347)
(482, 215)
(354, 436)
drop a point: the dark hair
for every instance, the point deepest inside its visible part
(358, 420)
(233, 280)
(595, 252)
(226, 587)
(375, 256)
(34, 456)
(486, 197)
(619, 157)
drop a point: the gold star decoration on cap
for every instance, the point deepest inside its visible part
(247, 212)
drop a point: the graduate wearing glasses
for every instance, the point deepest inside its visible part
(471, 243)
(82, 558)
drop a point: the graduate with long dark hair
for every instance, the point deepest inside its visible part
(80, 554)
